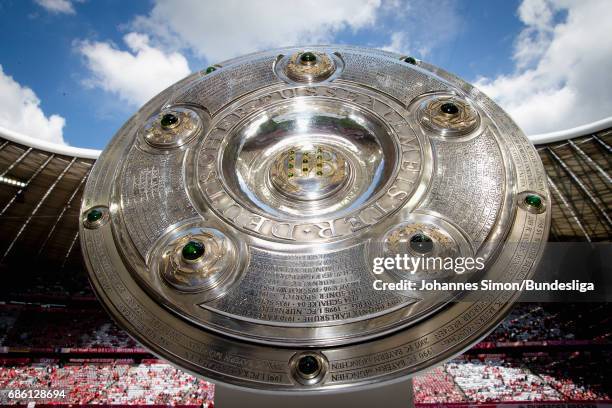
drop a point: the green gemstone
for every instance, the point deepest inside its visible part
(421, 243)
(193, 250)
(210, 69)
(169, 119)
(290, 175)
(449, 108)
(94, 215)
(410, 60)
(290, 165)
(533, 200)
(319, 173)
(308, 57)
(308, 365)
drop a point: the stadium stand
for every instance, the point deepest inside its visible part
(437, 386)
(495, 379)
(577, 375)
(60, 327)
(467, 379)
(115, 383)
(555, 321)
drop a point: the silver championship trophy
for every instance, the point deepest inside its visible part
(246, 222)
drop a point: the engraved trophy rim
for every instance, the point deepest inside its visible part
(251, 346)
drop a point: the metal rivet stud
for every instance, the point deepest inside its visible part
(193, 250)
(94, 215)
(169, 120)
(308, 366)
(421, 243)
(449, 108)
(308, 58)
(534, 201)
(210, 69)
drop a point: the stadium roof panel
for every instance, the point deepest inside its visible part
(39, 204)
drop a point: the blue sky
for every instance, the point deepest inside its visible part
(73, 71)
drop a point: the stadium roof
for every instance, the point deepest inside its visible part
(42, 185)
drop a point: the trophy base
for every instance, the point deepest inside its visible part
(397, 395)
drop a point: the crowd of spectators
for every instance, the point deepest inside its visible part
(53, 327)
(534, 376)
(482, 378)
(49, 284)
(437, 386)
(495, 379)
(529, 322)
(143, 384)
(579, 375)
(7, 322)
(156, 377)
(555, 321)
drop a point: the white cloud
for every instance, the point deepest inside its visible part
(396, 43)
(412, 25)
(534, 39)
(563, 68)
(135, 75)
(400, 43)
(221, 29)
(20, 111)
(57, 6)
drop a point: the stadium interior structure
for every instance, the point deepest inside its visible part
(55, 334)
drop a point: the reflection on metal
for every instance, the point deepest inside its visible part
(448, 115)
(171, 128)
(242, 249)
(40, 203)
(309, 66)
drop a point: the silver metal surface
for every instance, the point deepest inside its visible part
(240, 239)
